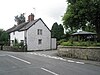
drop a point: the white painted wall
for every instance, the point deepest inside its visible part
(54, 44)
(32, 37)
(18, 35)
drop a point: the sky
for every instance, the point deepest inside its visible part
(50, 11)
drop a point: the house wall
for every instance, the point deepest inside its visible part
(33, 37)
(18, 35)
(54, 44)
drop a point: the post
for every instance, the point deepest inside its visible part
(25, 38)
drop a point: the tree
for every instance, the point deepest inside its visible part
(57, 31)
(81, 12)
(71, 1)
(54, 30)
(89, 28)
(4, 37)
(20, 19)
(60, 32)
(1, 30)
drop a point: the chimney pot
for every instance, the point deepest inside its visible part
(31, 17)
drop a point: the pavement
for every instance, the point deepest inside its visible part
(54, 53)
(43, 63)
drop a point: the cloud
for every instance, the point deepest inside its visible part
(49, 10)
(56, 12)
(53, 9)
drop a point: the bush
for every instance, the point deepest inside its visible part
(62, 40)
(16, 44)
(80, 43)
(68, 43)
(98, 44)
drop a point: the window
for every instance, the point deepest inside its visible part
(39, 31)
(13, 33)
(22, 40)
(40, 41)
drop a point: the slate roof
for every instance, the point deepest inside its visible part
(29, 24)
(22, 26)
(83, 33)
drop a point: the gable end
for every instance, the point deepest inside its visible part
(45, 25)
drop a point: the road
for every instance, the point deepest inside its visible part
(38, 63)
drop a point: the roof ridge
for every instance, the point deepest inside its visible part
(24, 26)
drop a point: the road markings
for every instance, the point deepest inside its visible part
(80, 62)
(49, 71)
(70, 61)
(19, 59)
(59, 58)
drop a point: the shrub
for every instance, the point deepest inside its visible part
(98, 44)
(17, 44)
(62, 40)
(68, 43)
(80, 43)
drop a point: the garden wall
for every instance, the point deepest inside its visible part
(88, 53)
(10, 48)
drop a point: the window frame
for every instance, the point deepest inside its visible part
(14, 33)
(39, 31)
(39, 41)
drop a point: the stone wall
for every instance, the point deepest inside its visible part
(10, 48)
(88, 53)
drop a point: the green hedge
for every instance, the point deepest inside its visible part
(80, 43)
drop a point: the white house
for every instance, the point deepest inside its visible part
(35, 34)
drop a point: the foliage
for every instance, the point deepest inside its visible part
(68, 43)
(57, 31)
(80, 43)
(21, 44)
(4, 37)
(67, 35)
(20, 19)
(60, 41)
(81, 12)
(17, 44)
(60, 31)
(1, 30)
(89, 28)
(54, 30)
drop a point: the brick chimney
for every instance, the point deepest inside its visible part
(30, 17)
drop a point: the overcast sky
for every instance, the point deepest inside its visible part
(49, 10)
